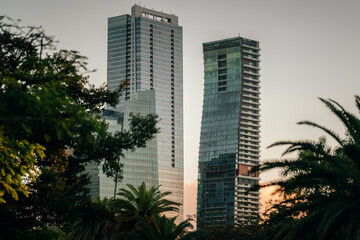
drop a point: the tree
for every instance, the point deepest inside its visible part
(141, 202)
(112, 216)
(16, 161)
(98, 222)
(320, 189)
(163, 229)
(48, 109)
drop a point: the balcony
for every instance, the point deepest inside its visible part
(258, 152)
(251, 47)
(250, 95)
(251, 73)
(240, 193)
(249, 118)
(249, 90)
(251, 52)
(251, 124)
(249, 57)
(249, 132)
(250, 101)
(251, 66)
(249, 127)
(249, 110)
(242, 127)
(246, 107)
(242, 139)
(248, 149)
(251, 113)
(248, 136)
(251, 79)
(249, 160)
(245, 160)
(250, 84)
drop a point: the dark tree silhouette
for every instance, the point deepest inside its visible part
(50, 127)
(320, 188)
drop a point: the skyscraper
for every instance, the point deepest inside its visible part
(230, 135)
(139, 166)
(146, 49)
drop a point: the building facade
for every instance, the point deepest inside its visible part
(139, 166)
(145, 50)
(230, 133)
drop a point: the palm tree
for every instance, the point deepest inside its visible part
(106, 217)
(140, 202)
(163, 229)
(320, 188)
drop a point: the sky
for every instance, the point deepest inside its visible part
(309, 49)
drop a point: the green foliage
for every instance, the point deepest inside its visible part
(162, 229)
(108, 217)
(141, 202)
(50, 128)
(17, 160)
(320, 189)
(42, 98)
(141, 129)
(98, 222)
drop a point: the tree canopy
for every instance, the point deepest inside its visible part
(320, 188)
(163, 228)
(142, 202)
(50, 127)
(135, 214)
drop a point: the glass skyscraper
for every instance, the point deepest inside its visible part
(230, 133)
(145, 50)
(139, 166)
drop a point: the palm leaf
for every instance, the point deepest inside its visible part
(343, 115)
(328, 131)
(320, 188)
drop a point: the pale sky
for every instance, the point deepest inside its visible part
(309, 48)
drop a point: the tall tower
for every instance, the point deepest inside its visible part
(230, 133)
(145, 48)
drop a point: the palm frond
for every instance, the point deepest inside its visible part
(331, 217)
(343, 115)
(312, 146)
(357, 102)
(331, 133)
(320, 189)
